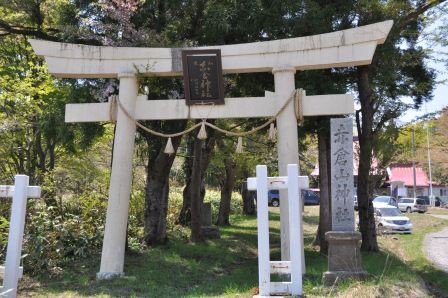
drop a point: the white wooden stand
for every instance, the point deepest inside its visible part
(293, 184)
(12, 271)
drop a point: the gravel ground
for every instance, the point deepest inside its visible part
(436, 245)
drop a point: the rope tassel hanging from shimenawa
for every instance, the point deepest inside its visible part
(239, 145)
(169, 149)
(202, 135)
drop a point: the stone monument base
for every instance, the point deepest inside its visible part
(344, 257)
(208, 229)
(211, 232)
(330, 278)
(108, 275)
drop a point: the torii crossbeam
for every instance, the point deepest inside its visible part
(281, 57)
(245, 107)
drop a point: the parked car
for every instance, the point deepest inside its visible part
(389, 219)
(355, 202)
(384, 201)
(273, 198)
(310, 197)
(444, 201)
(441, 202)
(412, 205)
(425, 199)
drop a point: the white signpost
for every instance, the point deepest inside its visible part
(20, 193)
(281, 57)
(295, 266)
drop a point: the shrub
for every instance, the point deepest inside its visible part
(214, 197)
(54, 238)
(4, 228)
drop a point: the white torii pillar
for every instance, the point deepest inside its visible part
(112, 257)
(287, 146)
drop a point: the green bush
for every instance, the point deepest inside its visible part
(175, 200)
(4, 229)
(136, 219)
(214, 197)
(54, 238)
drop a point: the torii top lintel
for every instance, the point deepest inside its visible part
(337, 49)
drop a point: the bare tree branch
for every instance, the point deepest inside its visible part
(387, 116)
(413, 15)
(7, 28)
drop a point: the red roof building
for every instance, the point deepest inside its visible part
(404, 173)
(401, 176)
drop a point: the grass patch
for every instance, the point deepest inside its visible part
(227, 267)
(437, 210)
(409, 248)
(218, 268)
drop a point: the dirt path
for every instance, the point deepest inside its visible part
(435, 246)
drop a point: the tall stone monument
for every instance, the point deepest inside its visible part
(344, 258)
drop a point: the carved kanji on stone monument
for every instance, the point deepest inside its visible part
(342, 174)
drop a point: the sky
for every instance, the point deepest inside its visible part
(440, 99)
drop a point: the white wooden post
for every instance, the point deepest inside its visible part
(264, 270)
(20, 193)
(112, 258)
(287, 145)
(17, 222)
(295, 213)
(293, 184)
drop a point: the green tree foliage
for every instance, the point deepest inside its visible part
(32, 113)
(32, 102)
(36, 141)
(398, 69)
(437, 130)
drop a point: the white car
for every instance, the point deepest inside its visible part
(412, 205)
(389, 219)
(384, 201)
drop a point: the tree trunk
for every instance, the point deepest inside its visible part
(366, 135)
(228, 184)
(156, 198)
(195, 191)
(248, 197)
(325, 184)
(184, 217)
(201, 159)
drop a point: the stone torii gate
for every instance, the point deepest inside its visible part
(281, 57)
